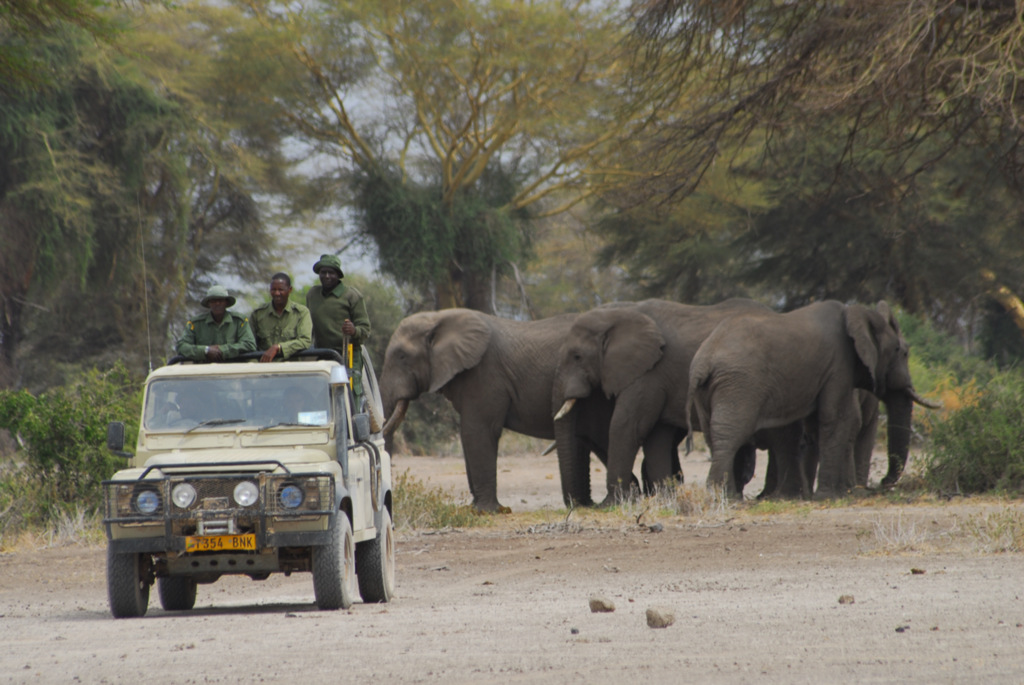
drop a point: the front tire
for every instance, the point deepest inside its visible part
(177, 593)
(128, 581)
(334, 568)
(375, 563)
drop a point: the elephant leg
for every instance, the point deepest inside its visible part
(730, 428)
(743, 466)
(786, 473)
(836, 473)
(661, 457)
(865, 442)
(480, 450)
(623, 444)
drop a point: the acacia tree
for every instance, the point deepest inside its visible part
(116, 201)
(447, 120)
(915, 82)
(23, 24)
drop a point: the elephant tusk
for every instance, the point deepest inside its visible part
(391, 425)
(566, 408)
(922, 401)
(549, 450)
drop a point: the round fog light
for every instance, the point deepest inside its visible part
(147, 501)
(183, 495)
(246, 493)
(291, 496)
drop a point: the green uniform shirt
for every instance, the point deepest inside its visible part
(233, 335)
(292, 329)
(329, 312)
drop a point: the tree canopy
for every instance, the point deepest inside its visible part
(447, 121)
(886, 138)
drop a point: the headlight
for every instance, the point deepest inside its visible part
(246, 493)
(291, 496)
(183, 495)
(147, 501)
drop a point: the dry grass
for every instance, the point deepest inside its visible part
(997, 532)
(77, 527)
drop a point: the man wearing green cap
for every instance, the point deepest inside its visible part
(339, 316)
(281, 327)
(217, 334)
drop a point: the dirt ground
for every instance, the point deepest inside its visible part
(756, 598)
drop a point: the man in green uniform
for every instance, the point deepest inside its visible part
(217, 334)
(339, 316)
(281, 327)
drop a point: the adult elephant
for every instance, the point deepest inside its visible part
(497, 373)
(637, 354)
(773, 369)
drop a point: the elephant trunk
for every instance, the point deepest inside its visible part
(573, 462)
(899, 407)
(396, 418)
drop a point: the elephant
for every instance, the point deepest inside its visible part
(637, 354)
(770, 370)
(497, 373)
(792, 469)
(865, 420)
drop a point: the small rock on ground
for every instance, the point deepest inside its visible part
(600, 604)
(659, 617)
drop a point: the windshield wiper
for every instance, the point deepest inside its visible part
(215, 422)
(286, 423)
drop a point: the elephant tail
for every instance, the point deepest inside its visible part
(696, 418)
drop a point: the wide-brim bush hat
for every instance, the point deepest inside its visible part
(330, 261)
(217, 292)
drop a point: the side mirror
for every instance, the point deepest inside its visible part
(115, 439)
(339, 376)
(360, 427)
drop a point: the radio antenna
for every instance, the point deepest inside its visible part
(145, 282)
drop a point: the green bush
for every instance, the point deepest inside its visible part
(980, 446)
(62, 433)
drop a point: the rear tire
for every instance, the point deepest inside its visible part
(128, 581)
(177, 593)
(334, 568)
(375, 564)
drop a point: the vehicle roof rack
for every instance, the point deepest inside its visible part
(312, 353)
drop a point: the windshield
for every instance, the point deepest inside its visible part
(185, 404)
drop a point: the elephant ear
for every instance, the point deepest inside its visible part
(458, 342)
(888, 314)
(864, 325)
(632, 345)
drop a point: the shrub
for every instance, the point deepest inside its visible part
(62, 432)
(419, 506)
(980, 445)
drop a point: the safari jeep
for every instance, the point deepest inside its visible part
(251, 469)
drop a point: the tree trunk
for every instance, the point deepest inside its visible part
(1006, 297)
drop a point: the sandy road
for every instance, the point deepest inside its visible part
(755, 599)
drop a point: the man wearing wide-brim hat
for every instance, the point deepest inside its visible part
(339, 315)
(217, 334)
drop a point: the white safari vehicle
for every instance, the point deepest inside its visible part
(252, 469)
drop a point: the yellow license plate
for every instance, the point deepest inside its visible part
(221, 543)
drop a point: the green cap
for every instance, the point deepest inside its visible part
(215, 292)
(329, 260)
